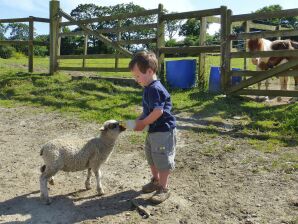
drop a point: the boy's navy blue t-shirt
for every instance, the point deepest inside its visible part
(156, 96)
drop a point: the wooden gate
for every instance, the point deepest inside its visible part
(161, 50)
(287, 69)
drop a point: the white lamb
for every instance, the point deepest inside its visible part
(72, 155)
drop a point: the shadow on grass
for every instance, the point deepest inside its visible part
(280, 118)
(61, 92)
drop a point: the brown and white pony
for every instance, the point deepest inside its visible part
(261, 44)
(283, 45)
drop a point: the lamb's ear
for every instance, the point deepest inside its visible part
(102, 128)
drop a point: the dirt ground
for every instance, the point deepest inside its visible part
(215, 180)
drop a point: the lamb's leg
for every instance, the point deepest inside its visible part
(99, 187)
(44, 177)
(44, 188)
(88, 182)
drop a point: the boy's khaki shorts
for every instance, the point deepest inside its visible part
(160, 149)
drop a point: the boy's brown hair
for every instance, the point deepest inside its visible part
(144, 60)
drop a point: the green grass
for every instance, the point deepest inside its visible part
(269, 146)
(288, 162)
(257, 118)
(88, 99)
(101, 100)
(20, 64)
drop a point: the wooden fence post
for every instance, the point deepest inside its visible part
(160, 43)
(59, 30)
(54, 27)
(246, 30)
(223, 47)
(85, 50)
(202, 56)
(228, 50)
(30, 49)
(118, 39)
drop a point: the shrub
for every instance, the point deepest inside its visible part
(7, 51)
(18, 55)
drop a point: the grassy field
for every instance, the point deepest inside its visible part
(42, 64)
(100, 100)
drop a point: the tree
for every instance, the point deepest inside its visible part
(2, 31)
(190, 28)
(172, 27)
(18, 31)
(85, 11)
(42, 50)
(289, 21)
(213, 39)
(145, 33)
(69, 44)
(271, 8)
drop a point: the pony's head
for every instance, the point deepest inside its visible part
(255, 44)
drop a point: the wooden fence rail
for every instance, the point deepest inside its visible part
(264, 34)
(192, 50)
(94, 69)
(193, 14)
(277, 53)
(91, 56)
(27, 19)
(265, 15)
(114, 17)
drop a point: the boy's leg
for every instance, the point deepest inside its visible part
(163, 147)
(163, 193)
(155, 173)
(153, 184)
(163, 178)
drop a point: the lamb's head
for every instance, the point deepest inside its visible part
(112, 128)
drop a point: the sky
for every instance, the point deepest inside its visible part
(40, 8)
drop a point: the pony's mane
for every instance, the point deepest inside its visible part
(255, 44)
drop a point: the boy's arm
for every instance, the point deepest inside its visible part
(153, 116)
(141, 117)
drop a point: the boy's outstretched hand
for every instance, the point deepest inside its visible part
(152, 117)
(140, 125)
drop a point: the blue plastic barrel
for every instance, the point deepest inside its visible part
(181, 73)
(214, 79)
(236, 79)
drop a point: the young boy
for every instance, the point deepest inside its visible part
(161, 139)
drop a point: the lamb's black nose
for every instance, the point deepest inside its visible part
(122, 128)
